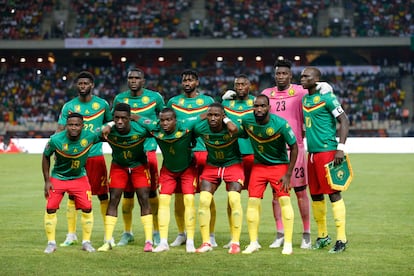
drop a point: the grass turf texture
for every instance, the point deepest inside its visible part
(379, 228)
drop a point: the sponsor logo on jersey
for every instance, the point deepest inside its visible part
(270, 131)
(84, 142)
(96, 106)
(145, 99)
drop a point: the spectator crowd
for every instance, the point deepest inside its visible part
(222, 19)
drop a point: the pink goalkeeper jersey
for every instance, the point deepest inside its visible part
(288, 105)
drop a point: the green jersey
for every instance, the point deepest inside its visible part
(128, 149)
(148, 105)
(95, 113)
(235, 110)
(269, 140)
(222, 149)
(70, 155)
(176, 146)
(186, 107)
(320, 123)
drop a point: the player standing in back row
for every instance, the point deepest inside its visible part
(322, 112)
(146, 103)
(95, 112)
(190, 104)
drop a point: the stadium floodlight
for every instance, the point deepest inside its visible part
(161, 59)
(219, 59)
(240, 58)
(258, 58)
(39, 59)
(297, 58)
(123, 59)
(22, 60)
(280, 58)
(38, 72)
(180, 59)
(3, 60)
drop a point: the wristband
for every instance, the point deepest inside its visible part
(340, 147)
(226, 120)
(110, 124)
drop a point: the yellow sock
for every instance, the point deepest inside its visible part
(87, 225)
(164, 215)
(229, 214)
(212, 215)
(253, 217)
(127, 206)
(189, 215)
(287, 217)
(236, 215)
(319, 213)
(204, 215)
(339, 214)
(71, 215)
(179, 212)
(110, 222)
(50, 221)
(154, 208)
(104, 206)
(147, 223)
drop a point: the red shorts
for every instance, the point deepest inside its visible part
(248, 161)
(262, 174)
(153, 168)
(187, 180)
(79, 188)
(120, 177)
(299, 174)
(97, 174)
(232, 173)
(318, 184)
(200, 158)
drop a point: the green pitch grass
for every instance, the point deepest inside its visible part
(380, 230)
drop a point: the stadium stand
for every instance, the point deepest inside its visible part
(31, 97)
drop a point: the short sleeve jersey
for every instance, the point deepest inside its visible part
(95, 113)
(269, 140)
(235, 110)
(288, 105)
(222, 149)
(128, 149)
(148, 105)
(175, 146)
(320, 123)
(70, 156)
(186, 107)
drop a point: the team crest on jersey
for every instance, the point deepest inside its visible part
(199, 101)
(181, 102)
(291, 92)
(317, 99)
(126, 100)
(161, 135)
(250, 102)
(232, 104)
(207, 137)
(147, 122)
(226, 137)
(250, 128)
(178, 134)
(270, 131)
(134, 137)
(84, 142)
(77, 108)
(65, 147)
(272, 93)
(96, 106)
(145, 100)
